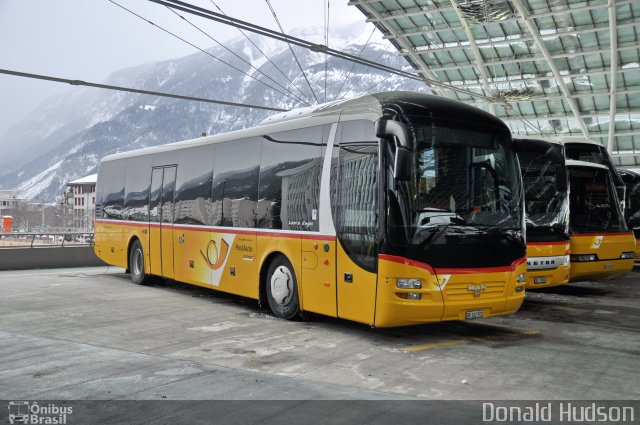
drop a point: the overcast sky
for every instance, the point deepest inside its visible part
(89, 39)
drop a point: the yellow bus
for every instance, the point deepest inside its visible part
(391, 209)
(601, 245)
(631, 180)
(547, 217)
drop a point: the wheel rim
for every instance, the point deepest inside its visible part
(282, 285)
(138, 262)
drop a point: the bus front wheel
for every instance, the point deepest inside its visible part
(136, 264)
(282, 289)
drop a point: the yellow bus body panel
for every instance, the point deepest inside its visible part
(553, 277)
(637, 250)
(391, 309)
(231, 261)
(318, 280)
(356, 299)
(445, 293)
(608, 247)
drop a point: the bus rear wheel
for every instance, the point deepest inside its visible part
(136, 264)
(282, 289)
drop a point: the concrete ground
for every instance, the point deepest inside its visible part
(92, 334)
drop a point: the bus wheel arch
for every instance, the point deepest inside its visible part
(279, 286)
(135, 262)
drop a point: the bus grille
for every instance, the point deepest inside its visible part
(474, 290)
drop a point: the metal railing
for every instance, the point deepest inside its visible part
(45, 239)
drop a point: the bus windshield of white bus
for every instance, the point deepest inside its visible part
(593, 202)
(463, 181)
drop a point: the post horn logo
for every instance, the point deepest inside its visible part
(215, 258)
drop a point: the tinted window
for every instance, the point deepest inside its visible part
(235, 183)
(193, 186)
(136, 199)
(168, 189)
(155, 195)
(593, 204)
(112, 179)
(290, 173)
(357, 212)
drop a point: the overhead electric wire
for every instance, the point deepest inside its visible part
(237, 56)
(206, 13)
(354, 64)
(198, 48)
(273, 12)
(132, 90)
(265, 55)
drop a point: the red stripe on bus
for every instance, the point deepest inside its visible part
(406, 262)
(213, 229)
(602, 234)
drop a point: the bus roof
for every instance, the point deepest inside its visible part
(368, 107)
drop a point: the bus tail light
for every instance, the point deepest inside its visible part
(627, 255)
(583, 258)
(408, 283)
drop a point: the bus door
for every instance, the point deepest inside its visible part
(163, 182)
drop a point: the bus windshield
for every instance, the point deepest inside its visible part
(593, 202)
(463, 181)
(547, 209)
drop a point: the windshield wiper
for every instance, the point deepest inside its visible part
(425, 234)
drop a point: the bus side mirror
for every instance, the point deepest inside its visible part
(562, 178)
(402, 166)
(386, 129)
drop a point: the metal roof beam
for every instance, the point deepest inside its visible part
(531, 58)
(569, 115)
(517, 38)
(422, 10)
(614, 75)
(480, 65)
(521, 79)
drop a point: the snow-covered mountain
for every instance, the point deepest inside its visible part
(66, 136)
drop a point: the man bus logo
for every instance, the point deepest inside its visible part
(476, 289)
(214, 258)
(597, 241)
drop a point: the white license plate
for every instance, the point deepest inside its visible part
(474, 314)
(538, 280)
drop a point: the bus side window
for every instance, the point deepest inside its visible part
(290, 172)
(136, 199)
(235, 183)
(193, 186)
(113, 175)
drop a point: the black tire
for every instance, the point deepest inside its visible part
(136, 264)
(282, 289)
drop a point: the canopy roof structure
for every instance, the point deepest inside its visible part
(556, 67)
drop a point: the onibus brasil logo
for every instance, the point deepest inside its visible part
(24, 412)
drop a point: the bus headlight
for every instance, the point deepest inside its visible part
(521, 278)
(627, 255)
(566, 261)
(583, 258)
(409, 283)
